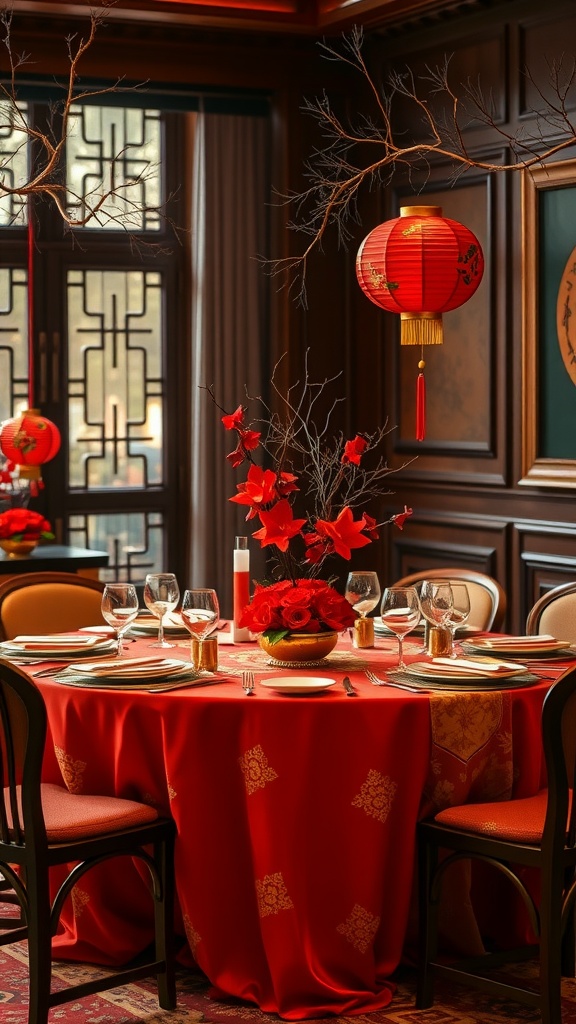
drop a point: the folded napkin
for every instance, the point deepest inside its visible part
(515, 642)
(129, 667)
(54, 642)
(470, 667)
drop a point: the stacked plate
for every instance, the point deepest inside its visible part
(56, 646)
(147, 625)
(521, 647)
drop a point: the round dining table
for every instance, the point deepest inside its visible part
(296, 814)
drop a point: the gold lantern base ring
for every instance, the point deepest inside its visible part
(421, 329)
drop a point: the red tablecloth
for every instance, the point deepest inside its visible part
(296, 817)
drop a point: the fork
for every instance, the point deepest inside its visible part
(388, 682)
(248, 683)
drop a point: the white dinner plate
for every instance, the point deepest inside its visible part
(381, 630)
(297, 684)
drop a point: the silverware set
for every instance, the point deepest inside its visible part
(389, 682)
(248, 683)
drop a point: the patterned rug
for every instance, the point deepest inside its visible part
(138, 1002)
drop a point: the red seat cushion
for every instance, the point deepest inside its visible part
(520, 821)
(70, 816)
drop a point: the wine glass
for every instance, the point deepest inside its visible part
(436, 603)
(200, 611)
(119, 608)
(400, 613)
(460, 610)
(161, 593)
(362, 591)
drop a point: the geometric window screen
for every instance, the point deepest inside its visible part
(115, 379)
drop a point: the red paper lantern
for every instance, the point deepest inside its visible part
(420, 265)
(29, 440)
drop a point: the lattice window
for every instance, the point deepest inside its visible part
(115, 147)
(134, 541)
(115, 379)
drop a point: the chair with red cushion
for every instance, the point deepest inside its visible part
(43, 825)
(535, 832)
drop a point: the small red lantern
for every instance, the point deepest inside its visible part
(29, 440)
(420, 265)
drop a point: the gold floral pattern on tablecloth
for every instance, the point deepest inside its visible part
(471, 756)
(72, 771)
(376, 795)
(272, 894)
(194, 939)
(462, 723)
(256, 769)
(79, 900)
(171, 793)
(359, 928)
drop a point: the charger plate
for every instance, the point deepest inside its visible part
(456, 686)
(524, 648)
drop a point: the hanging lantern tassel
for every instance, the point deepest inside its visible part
(421, 403)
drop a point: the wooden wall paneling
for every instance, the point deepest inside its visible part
(543, 42)
(429, 541)
(545, 557)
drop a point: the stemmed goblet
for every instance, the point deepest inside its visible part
(119, 608)
(436, 602)
(460, 610)
(400, 613)
(362, 591)
(200, 611)
(161, 593)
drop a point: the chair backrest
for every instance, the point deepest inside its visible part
(487, 597)
(554, 613)
(48, 602)
(22, 739)
(559, 742)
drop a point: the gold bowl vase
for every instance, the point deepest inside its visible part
(18, 548)
(299, 650)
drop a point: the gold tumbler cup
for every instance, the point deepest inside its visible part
(205, 654)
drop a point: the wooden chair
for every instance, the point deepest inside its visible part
(487, 597)
(536, 832)
(48, 602)
(554, 613)
(42, 825)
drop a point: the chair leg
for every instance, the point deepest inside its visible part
(164, 924)
(39, 952)
(428, 914)
(551, 953)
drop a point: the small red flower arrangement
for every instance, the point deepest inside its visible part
(24, 524)
(302, 606)
(305, 462)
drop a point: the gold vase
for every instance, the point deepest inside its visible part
(299, 650)
(18, 548)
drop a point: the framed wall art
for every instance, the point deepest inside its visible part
(549, 326)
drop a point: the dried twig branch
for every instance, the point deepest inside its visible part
(114, 201)
(372, 150)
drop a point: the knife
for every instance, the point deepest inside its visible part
(350, 691)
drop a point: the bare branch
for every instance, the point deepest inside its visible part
(115, 201)
(369, 152)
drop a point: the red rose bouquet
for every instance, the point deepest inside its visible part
(305, 465)
(23, 524)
